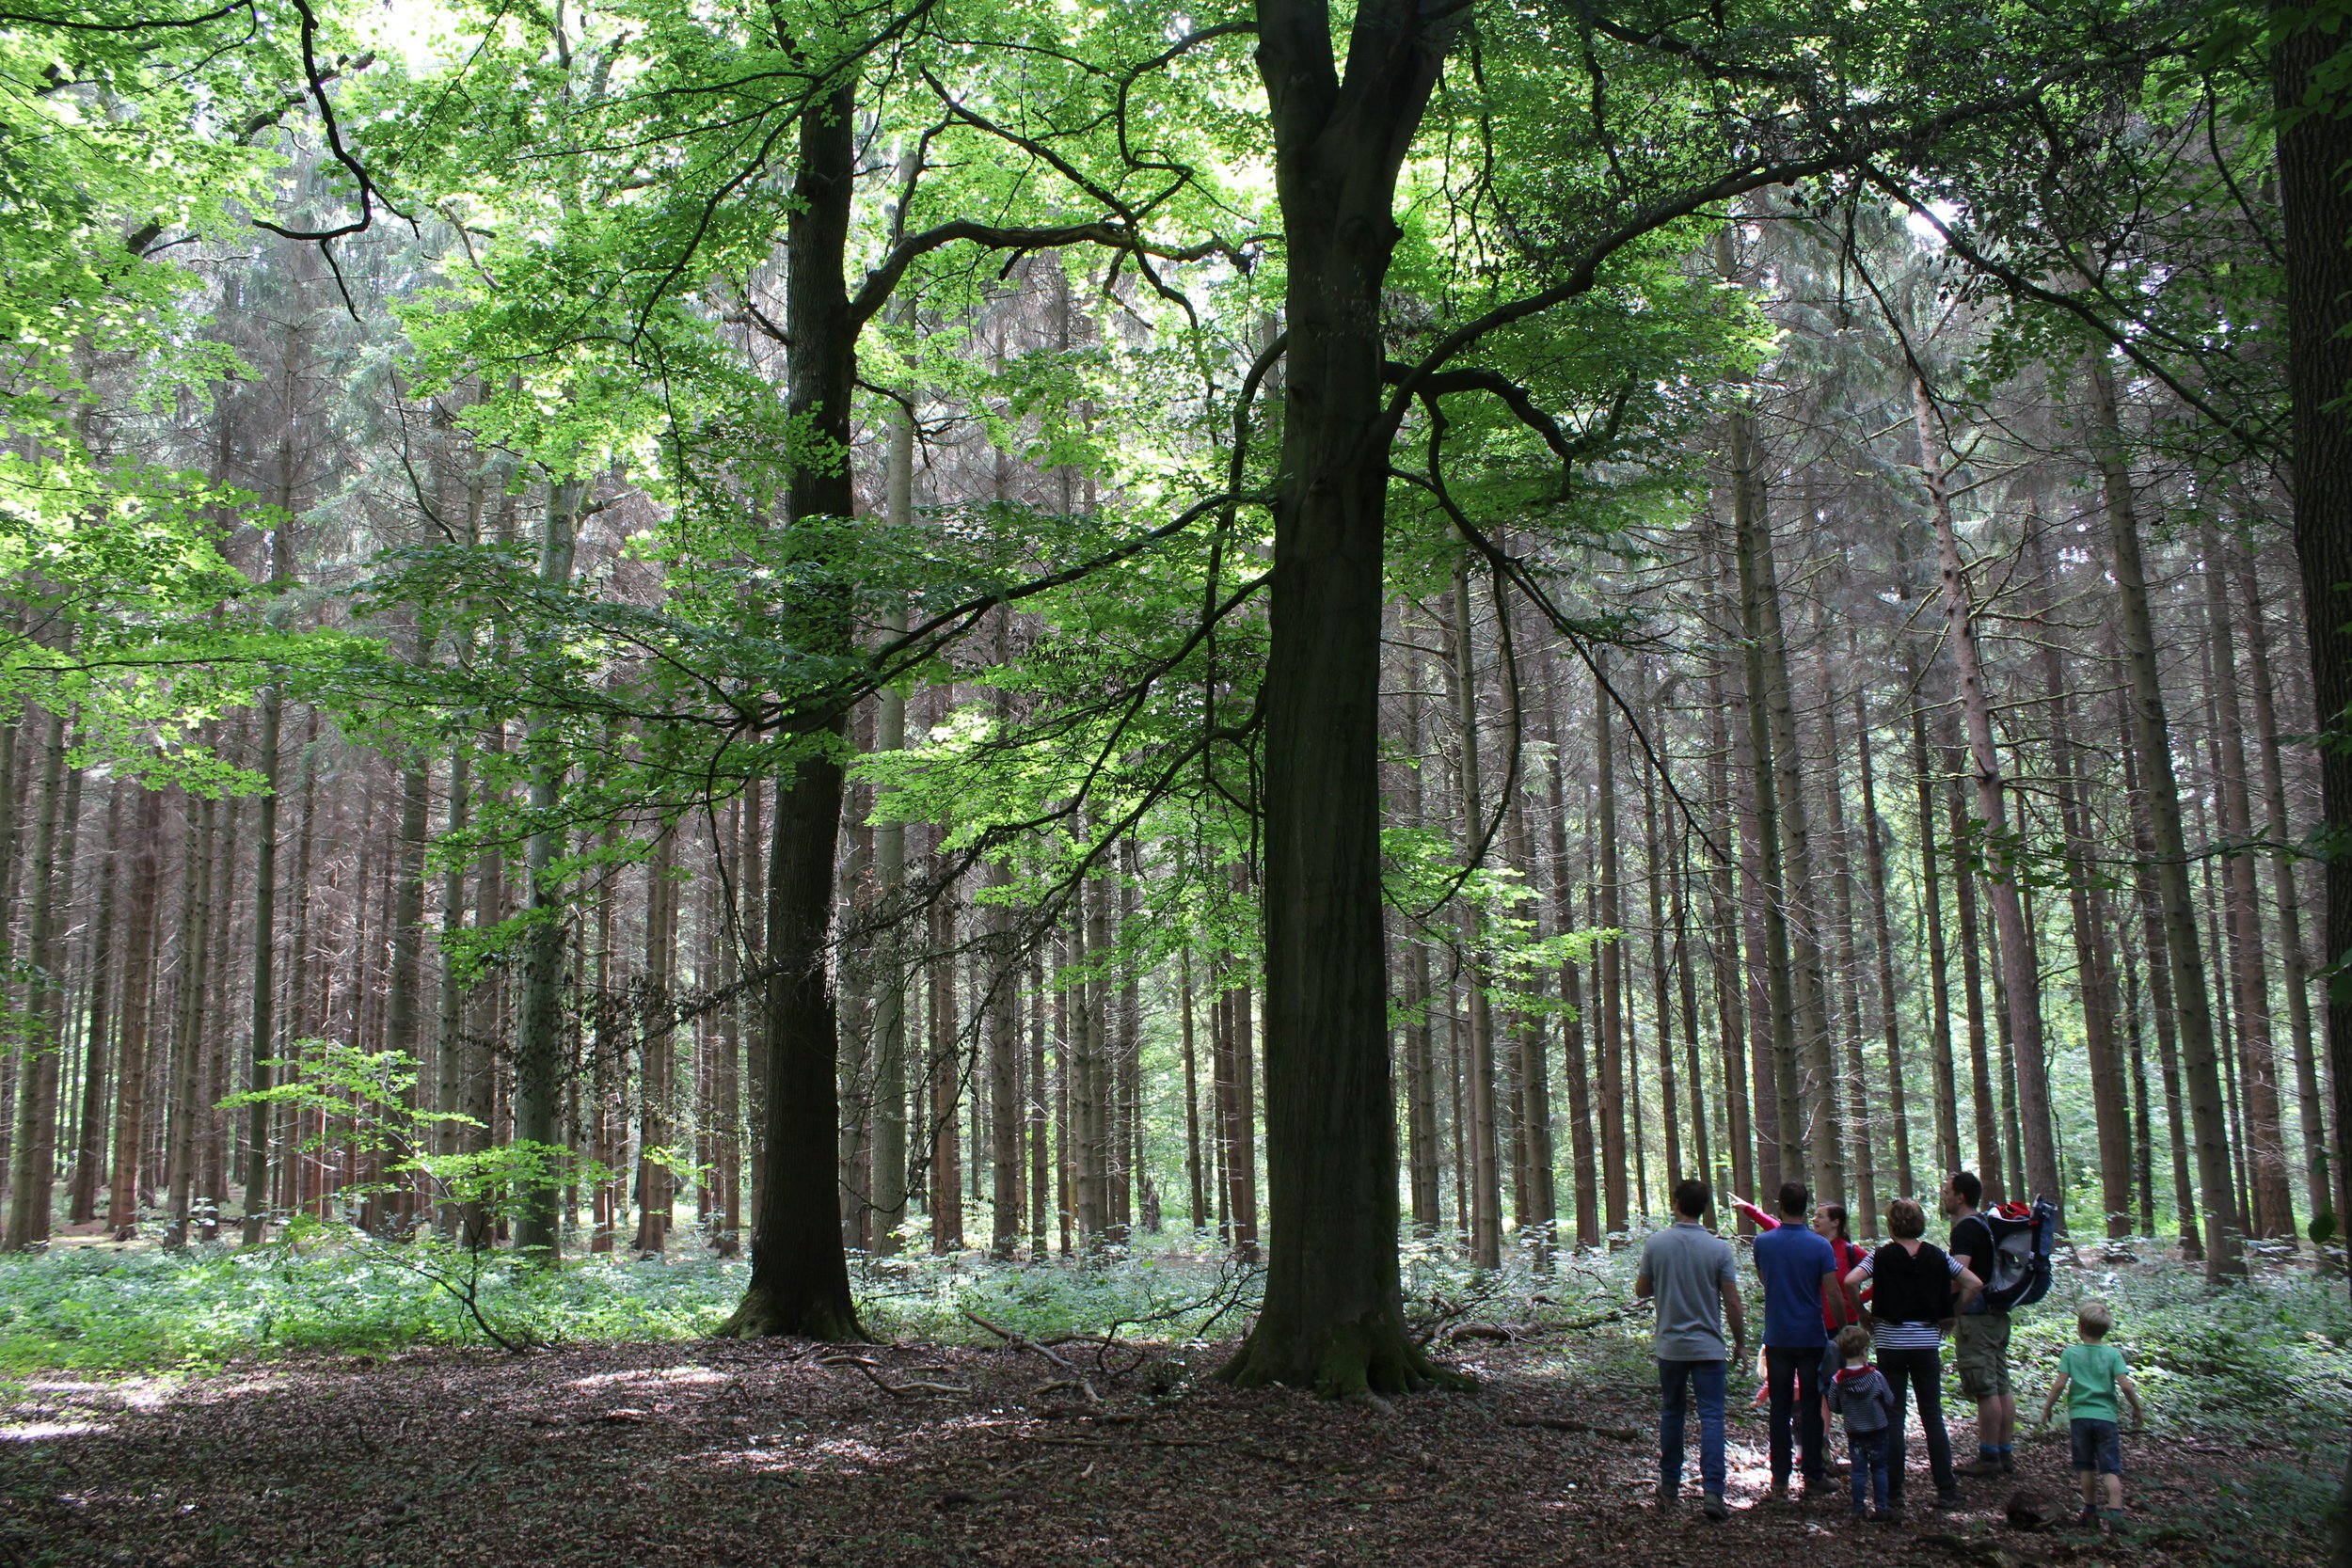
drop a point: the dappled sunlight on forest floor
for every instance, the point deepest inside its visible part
(703, 1452)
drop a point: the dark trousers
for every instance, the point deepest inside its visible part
(1681, 1383)
(1795, 1371)
(1923, 1370)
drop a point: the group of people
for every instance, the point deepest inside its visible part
(1829, 1307)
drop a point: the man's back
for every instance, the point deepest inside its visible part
(1791, 1262)
(1686, 1267)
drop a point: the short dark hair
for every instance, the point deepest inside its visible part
(1691, 1197)
(1794, 1199)
(1965, 1182)
(1906, 1220)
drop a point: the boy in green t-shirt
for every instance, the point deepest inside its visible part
(2090, 1374)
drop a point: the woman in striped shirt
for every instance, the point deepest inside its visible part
(1916, 1283)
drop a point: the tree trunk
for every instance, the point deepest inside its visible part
(1486, 1182)
(2273, 1202)
(2220, 1227)
(1882, 940)
(1333, 1314)
(91, 1146)
(1575, 1070)
(800, 1282)
(2021, 985)
(32, 1148)
(1768, 839)
(2087, 903)
(1613, 998)
(138, 1000)
(538, 1024)
(2285, 893)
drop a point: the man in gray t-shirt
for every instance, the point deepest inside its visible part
(1688, 1269)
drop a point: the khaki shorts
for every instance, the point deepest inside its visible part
(1980, 1350)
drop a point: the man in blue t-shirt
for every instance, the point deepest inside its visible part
(1796, 1265)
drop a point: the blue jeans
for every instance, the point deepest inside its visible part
(1868, 1450)
(1923, 1369)
(1707, 1379)
(1798, 1373)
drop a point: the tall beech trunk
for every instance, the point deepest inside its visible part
(1610, 1079)
(2219, 1224)
(1002, 1020)
(1333, 1315)
(800, 1282)
(138, 1021)
(889, 1158)
(2021, 985)
(1661, 1003)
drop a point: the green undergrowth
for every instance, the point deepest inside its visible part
(2269, 1361)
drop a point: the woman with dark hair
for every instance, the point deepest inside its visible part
(1919, 1289)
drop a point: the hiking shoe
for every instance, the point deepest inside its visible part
(1668, 1495)
(2089, 1516)
(2117, 1525)
(1990, 1464)
(1717, 1510)
(1888, 1517)
(1949, 1502)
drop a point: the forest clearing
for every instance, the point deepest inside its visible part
(1452, 780)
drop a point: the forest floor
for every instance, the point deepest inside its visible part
(700, 1452)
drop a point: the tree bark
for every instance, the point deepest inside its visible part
(2021, 984)
(2220, 1225)
(138, 1000)
(32, 1150)
(800, 1282)
(1333, 1313)
(89, 1150)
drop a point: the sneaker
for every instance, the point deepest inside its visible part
(2008, 1463)
(1779, 1492)
(2117, 1525)
(2089, 1516)
(1717, 1509)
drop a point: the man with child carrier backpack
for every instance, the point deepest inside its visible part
(2008, 1248)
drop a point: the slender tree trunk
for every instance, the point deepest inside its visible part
(2087, 903)
(89, 1150)
(187, 1031)
(2273, 1204)
(1882, 942)
(1485, 1182)
(538, 1025)
(2287, 896)
(138, 1000)
(33, 1148)
(1856, 1098)
(2021, 985)
(1575, 1070)
(2220, 1225)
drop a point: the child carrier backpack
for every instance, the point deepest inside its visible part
(2022, 1240)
